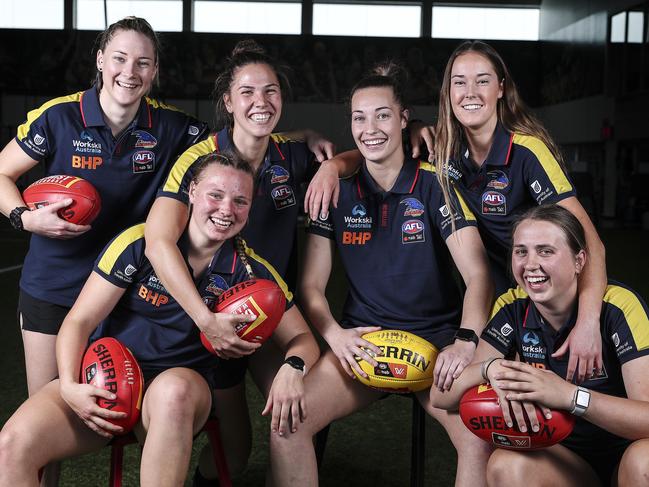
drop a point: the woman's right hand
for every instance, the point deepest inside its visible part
(82, 399)
(46, 221)
(220, 331)
(519, 409)
(347, 344)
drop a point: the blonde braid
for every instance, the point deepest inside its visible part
(240, 248)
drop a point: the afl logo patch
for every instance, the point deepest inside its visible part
(143, 161)
(283, 196)
(494, 203)
(412, 231)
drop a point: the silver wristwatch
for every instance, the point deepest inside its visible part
(581, 401)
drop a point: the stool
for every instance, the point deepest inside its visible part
(417, 445)
(211, 427)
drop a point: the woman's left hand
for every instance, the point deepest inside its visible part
(451, 362)
(323, 190)
(286, 400)
(522, 382)
(585, 345)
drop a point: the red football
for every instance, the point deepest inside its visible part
(86, 202)
(260, 298)
(110, 365)
(481, 413)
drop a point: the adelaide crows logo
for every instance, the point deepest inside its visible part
(414, 207)
(278, 174)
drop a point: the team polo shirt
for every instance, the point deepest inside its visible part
(516, 327)
(272, 223)
(392, 246)
(69, 136)
(148, 320)
(519, 172)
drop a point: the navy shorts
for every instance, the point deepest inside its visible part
(40, 316)
(229, 373)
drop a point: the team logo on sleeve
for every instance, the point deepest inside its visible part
(412, 231)
(283, 196)
(144, 140)
(616, 339)
(143, 161)
(506, 330)
(39, 139)
(414, 207)
(494, 203)
(536, 186)
(498, 180)
(278, 174)
(444, 211)
(192, 130)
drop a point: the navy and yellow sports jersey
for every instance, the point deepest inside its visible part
(517, 328)
(69, 136)
(392, 245)
(148, 320)
(519, 172)
(272, 223)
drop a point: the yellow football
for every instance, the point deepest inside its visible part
(406, 364)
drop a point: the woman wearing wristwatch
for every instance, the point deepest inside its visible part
(609, 444)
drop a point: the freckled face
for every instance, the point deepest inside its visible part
(221, 202)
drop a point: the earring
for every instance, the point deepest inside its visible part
(99, 69)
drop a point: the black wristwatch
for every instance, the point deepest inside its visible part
(15, 217)
(466, 335)
(296, 362)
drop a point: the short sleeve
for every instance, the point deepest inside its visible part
(627, 324)
(34, 136)
(500, 331)
(545, 178)
(448, 220)
(324, 228)
(123, 257)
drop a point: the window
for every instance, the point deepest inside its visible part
(366, 20)
(618, 27)
(635, 27)
(486, 23)
(163, 15)
(248, 17)
(31, 14)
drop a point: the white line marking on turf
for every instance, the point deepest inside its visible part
(9, 269)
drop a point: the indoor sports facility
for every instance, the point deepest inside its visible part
(582, 66)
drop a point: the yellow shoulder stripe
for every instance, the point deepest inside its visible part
(547, 160)
(126, 238)
(468, 214)
(507, 298)
(427, 166)
(280, 282)
(280, 138)
(158, 104)
(185, 161)
(633, 311)
(23, 130)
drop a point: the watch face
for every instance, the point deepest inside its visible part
(583, 398)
